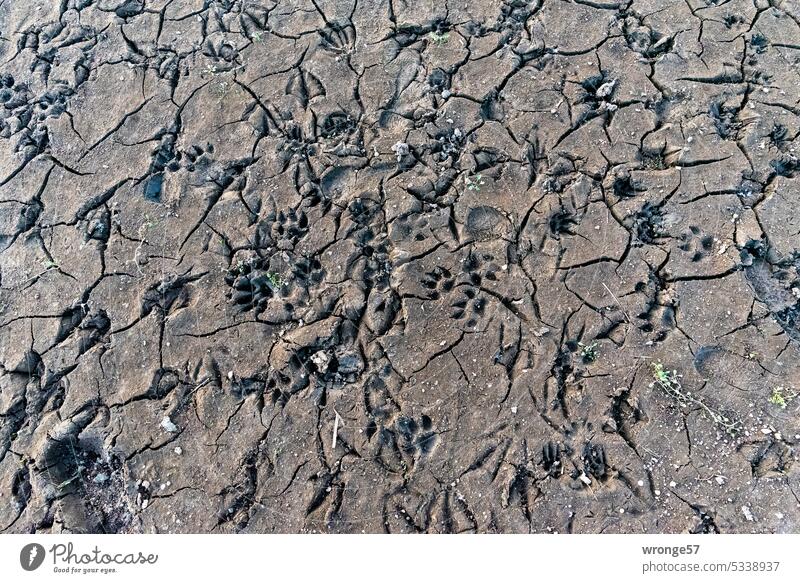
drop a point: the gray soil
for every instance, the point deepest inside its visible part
(389, 266)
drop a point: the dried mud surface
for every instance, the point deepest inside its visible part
(386, 266)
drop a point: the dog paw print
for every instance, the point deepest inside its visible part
(252, 286)
(439, 281)
(647, 224)
(412, 227)
(286, 228)
(415, 437)
(480, 268)
(308, 271)
(469, 308)
(295, 144)
(371, 264)
(335, 367)
(364, 212)
(594, 460)
(696, 243)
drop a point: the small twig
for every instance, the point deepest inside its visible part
(335, 428)
(624, 313)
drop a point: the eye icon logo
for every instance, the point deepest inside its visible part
(31, 556)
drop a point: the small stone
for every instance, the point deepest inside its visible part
(747, 514)
(321, 359)
(400, 149)
(605, 89)
(168, 426)
(101, 478)
(178, 450)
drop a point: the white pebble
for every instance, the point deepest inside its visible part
(168, 426)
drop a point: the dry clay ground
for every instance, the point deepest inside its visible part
(387, 266)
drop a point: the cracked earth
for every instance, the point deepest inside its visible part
(387, 266)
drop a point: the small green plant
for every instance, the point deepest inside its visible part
(439, 38)
(781, 397)
(660, 374)
(474, 182)
(669, 382)
(589, 352)
(258, 37)
(274, 279)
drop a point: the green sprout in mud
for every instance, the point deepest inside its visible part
(661, 375)
(439, 38)
(589, 352)
(781, 397)
(474, 182)
(274, 279)
(670, 382)
(258, 37)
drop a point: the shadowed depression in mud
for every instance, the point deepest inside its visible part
(384, 266)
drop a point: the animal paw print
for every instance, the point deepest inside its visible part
(364, 211)
(338, 38)
(562, 223)
(551, 459)
(372, 265)
(698, 245)
(470, 308)
(595, 462)
(648, 225)
(287, 228)
(252, 286)
(327, 364)
(439, 280)
(412, 227)
(415, 437)
(308, 271)
(480, 268)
